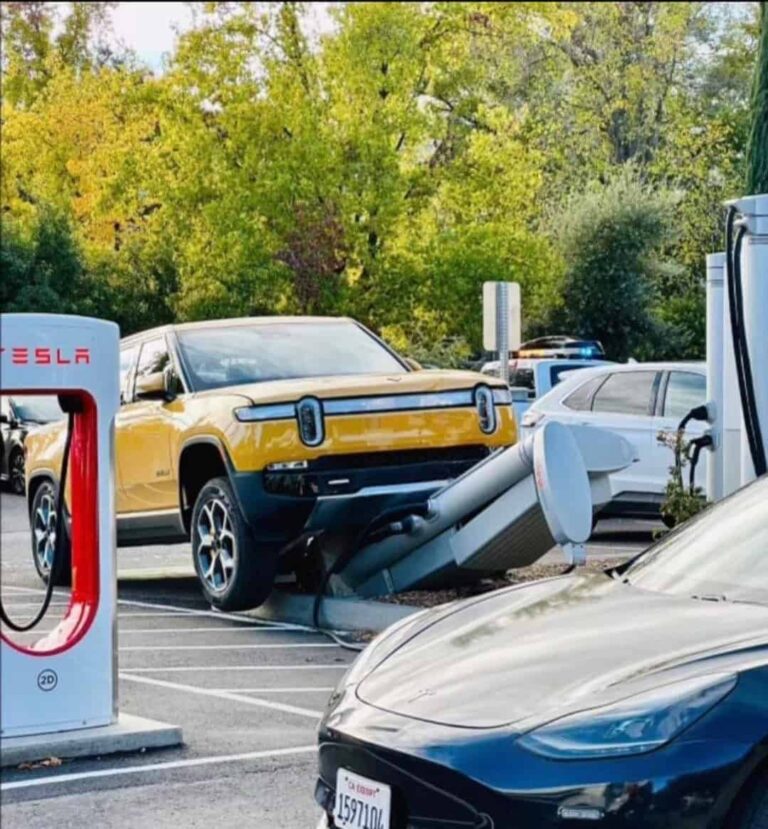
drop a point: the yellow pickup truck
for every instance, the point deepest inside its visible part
(253, 437)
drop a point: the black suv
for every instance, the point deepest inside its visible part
(17, 416)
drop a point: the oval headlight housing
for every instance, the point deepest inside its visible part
(634, 725)
(309, 414)
(486, 409)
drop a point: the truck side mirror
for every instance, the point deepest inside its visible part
(151, 386)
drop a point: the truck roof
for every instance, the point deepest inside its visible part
(229, 323)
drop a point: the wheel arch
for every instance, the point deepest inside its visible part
(36, 480)
(201, 458)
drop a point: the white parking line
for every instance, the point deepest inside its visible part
(18, 589)
(180, 668)
(242, 629)
(211, 614)
(175, 610)
(225, 695)
(242, 647)
(56, 779)
(34, 604)
(137, 614)
(302, 690)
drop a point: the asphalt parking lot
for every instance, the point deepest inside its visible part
(248, 696)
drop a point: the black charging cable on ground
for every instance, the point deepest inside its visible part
(376, 529)
(69, 405)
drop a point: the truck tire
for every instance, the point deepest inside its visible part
(16, 472)
(42, 519)
(234, 573)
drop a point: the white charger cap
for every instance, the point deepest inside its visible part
(563, 487)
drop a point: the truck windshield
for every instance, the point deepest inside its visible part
(37, 409)
(227, 356)
(722, 554)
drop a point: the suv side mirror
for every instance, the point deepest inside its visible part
(413, 365)
(155, 386)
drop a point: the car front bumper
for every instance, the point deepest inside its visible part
(480, 781)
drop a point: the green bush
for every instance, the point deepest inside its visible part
(681, 502)
(611, 239)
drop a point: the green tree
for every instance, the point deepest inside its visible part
(757, 148)
(611, 239)
(384, 170)
(32, 49)
(42, 270)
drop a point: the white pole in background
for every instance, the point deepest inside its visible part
(730, 414)
(502, 328)
(754, 274)
(715, 372)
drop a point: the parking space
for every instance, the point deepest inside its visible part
(248, 696)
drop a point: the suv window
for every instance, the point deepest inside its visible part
(556, 372)
(523, 378)
(580, 400)
(685, 391)
(127, 361)
(626, 392)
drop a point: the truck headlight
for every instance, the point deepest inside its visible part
(634, 725)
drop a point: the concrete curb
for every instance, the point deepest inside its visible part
(335, 613)
(129, 733)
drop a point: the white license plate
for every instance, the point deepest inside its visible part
(361, 803)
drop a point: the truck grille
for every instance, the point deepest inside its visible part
(403, 457)
(346, 474)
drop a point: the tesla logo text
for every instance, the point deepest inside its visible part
(47, 680)
(23, 356)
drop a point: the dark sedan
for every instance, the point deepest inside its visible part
(632, 698)
(17, 416)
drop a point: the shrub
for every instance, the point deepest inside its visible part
(611, 238)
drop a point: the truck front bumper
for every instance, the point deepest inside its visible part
(343, 494)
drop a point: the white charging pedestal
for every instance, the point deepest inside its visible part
(59, 691)
(754, 275)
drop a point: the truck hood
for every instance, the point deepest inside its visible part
(522, 656)
(356, 385)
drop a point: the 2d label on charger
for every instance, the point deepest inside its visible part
(47, 680)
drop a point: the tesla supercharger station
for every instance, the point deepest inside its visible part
(731, 464)
(67, 678)
(754, 265)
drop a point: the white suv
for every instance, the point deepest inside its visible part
(637, 400)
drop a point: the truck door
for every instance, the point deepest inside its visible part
(148, 478)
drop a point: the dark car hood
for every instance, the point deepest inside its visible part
(558, 644)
